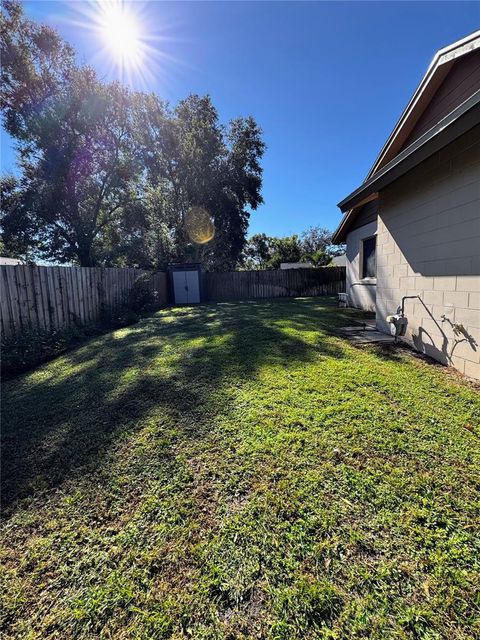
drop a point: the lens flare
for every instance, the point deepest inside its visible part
(199, 225)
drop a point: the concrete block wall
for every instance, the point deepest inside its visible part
(361, 292)
(428, 244)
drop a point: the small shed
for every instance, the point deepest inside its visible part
(186, 282)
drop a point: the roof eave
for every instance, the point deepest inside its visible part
(460, 120)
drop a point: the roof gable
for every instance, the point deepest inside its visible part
(440, 67)
(447, 95)
(462, 81)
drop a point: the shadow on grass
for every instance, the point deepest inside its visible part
(63, 419)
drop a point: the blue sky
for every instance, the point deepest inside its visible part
(326, 81)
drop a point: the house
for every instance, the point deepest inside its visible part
(412, 229)
(296, 265)
(10, 261)
(338, 261)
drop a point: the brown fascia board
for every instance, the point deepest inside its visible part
(438, 69)
(459, 121)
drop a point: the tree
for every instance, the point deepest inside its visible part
(287, 249)
(240, 192)
(193, 161)
(80, 171)
(36, 64)
(319, 258)
(77, 154)
(317, 246)
(258, 252)
(108, 176)
(145, 233)
(316, 239)
(265, 252)
(17, 236)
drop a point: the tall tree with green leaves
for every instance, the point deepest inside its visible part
(287, 249)
(108, 176)
(258, 252)
(194, 161)
(79, 164)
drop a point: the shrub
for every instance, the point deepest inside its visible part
(126, 318)
(117, 318)
(34, 346)
(141, 297)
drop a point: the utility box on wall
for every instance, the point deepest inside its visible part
(186, 283)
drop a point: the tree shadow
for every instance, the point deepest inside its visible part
(62, 420)
(395, 351)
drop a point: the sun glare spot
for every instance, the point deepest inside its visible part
(128, 43)
(121, 33)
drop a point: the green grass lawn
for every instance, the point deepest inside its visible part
(239, 471)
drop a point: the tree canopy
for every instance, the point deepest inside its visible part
(107, 175)
(268, 252)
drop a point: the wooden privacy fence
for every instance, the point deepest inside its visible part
(242, 285)
(50, 298)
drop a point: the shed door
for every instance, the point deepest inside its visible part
(193, 289)
(180, 287)
(186, 287)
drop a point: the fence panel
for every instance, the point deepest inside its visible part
(51, 298)
(243, 285)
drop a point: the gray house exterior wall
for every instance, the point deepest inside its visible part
(428, 244)
(361, 291)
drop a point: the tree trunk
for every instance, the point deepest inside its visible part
(84, 255)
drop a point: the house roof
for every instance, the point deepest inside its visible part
(10, 261)
(392, 155)
(436, 73)
(458, 121)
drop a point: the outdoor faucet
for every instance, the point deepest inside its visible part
(458, 328)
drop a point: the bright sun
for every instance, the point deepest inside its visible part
(121, 33)
(126, 43)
